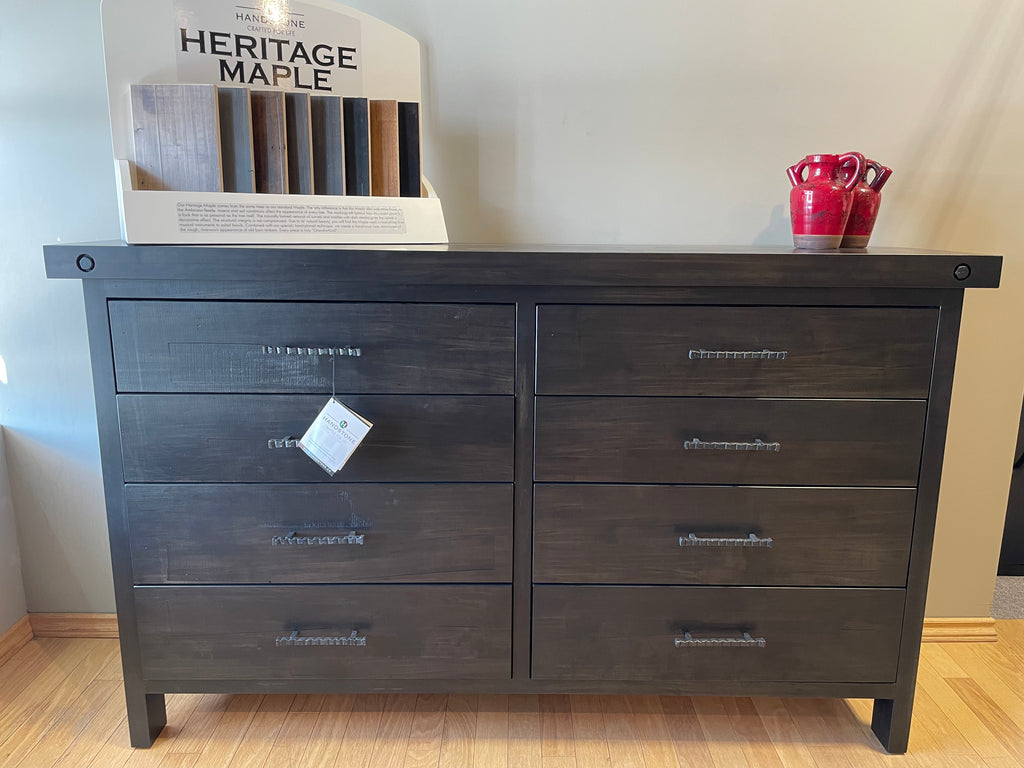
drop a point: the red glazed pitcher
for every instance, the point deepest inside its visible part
(866, 199)
(820, 206)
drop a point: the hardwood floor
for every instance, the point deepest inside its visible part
(61, 704)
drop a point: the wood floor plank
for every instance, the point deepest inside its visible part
(620, 732)
(331, 724)
(490, 746)
(291, 739)
(984, 742)
(652, 730)
(357, 746)
(525, 732)
(809, 718)
(22, 669)
(783, 733)
(459, 735)
(1008, 730)
(723, 741)
(757, 744)
(179, 710)
(392, 739)
(42, 716)
(231, 729)
(684, 729)
(201, 725)
(89, 742)
(588, 732)
(262, 732)
(65, 729)
(939, 657)
(556, 726)
(424, 750)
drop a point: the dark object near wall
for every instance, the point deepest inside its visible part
(1011, 556)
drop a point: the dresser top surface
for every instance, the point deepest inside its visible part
(549, 265)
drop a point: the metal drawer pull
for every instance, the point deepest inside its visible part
(288, 442)
(696, 444)
(294, 538)
(294, 639)
(709, 354)
(688, 641)
(701, 541)
(314, 351)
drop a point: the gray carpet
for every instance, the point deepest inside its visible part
(1008, 601)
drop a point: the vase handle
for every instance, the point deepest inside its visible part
(882, 175)
(796, 173)
(858, 159)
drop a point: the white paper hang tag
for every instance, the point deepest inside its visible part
(334, 435)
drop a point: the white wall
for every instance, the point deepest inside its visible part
(12, 591)
(580, 121)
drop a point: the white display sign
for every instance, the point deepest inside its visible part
(268, 44)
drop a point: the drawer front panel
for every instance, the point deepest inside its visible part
(735, 351)
(661, 534)
(803, 442)
(631, 633)
(245, 633)
(211, 438)
(209, 346)
(253, 534)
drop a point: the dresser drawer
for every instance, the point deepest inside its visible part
(661, 633)
(803, 442)
(221, 346)
(735, 351)
(663, 534)
(211, 438)
(401, 632)
(252, 534)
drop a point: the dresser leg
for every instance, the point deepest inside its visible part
(890, 720)
(147, 716)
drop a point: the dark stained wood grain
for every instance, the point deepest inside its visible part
(269, 142)
(411, 632)
(223, 438)
(828, 352)
(607, 534)
(616, 266)
(628, 633)
(238, 534)
(640, 440)
(236, 139)
(174, 346)
(299, 125)
(328, 145)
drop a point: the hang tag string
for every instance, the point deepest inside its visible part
(333, 378)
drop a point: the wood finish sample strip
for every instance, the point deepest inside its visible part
(384, 164)
(269, 142)
(410, 161)
(300, 143)
(236, 139)
(177, 143)
(328, 128)
(357, 146)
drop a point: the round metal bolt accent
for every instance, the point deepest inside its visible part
(86, 263)
(962, 272)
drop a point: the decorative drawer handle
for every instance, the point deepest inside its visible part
(689, 641)
(293, 538)
(752, 541)
(696, 444)
(293, 639)
(287, 442)
(711, 354)
(314, 351)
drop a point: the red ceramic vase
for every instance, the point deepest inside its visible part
(866, 199)
(820, 204)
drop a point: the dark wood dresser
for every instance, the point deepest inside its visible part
(591, 469)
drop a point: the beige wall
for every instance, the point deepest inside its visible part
(579, 121)
(12, 592)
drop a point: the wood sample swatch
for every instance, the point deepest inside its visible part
(357, 146)
(177, 144)
(300, 143)
(269, 142)
(384, 174)
(328, 145)
(236, 139)
(410, 168)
